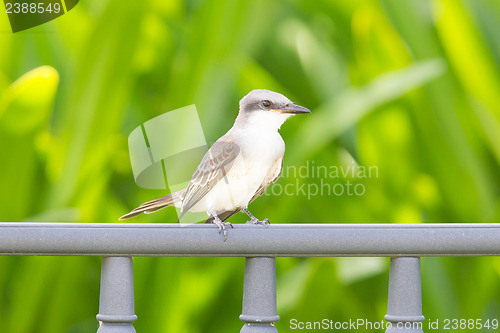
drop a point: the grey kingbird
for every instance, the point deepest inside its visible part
(239, 167)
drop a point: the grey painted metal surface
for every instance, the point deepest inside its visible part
(119, 242)
(404, 307)
(116, 302)
(172, 239)
(259, 296)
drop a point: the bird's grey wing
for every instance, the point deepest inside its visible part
(213, 167)
(267, 182)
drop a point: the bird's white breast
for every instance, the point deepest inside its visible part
(260, 155)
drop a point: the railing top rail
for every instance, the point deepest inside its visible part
(290, 240)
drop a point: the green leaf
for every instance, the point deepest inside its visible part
(337, 116)
(26, 103)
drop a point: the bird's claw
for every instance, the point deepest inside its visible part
(264, 222)
(222, 227)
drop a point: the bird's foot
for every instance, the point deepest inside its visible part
(222, 227)
(254, 220)
(264, 222)
(218, 222)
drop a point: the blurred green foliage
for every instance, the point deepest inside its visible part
(409, 86)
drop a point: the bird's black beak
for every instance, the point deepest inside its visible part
(293, 109)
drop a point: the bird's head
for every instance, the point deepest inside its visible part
(265, 108)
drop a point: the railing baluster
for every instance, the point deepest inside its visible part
(404, 308)
(116, 303)
(259, 296)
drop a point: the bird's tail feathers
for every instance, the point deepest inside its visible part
(155, 205)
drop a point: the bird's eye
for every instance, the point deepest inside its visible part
(266, 103)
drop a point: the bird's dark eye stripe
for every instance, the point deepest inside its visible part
(266, 103)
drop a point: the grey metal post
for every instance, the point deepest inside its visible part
(116, 302)
(404, 308)
(259, 296)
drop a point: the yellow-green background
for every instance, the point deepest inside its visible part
(409, 86)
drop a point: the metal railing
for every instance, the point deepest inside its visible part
(119, 243)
